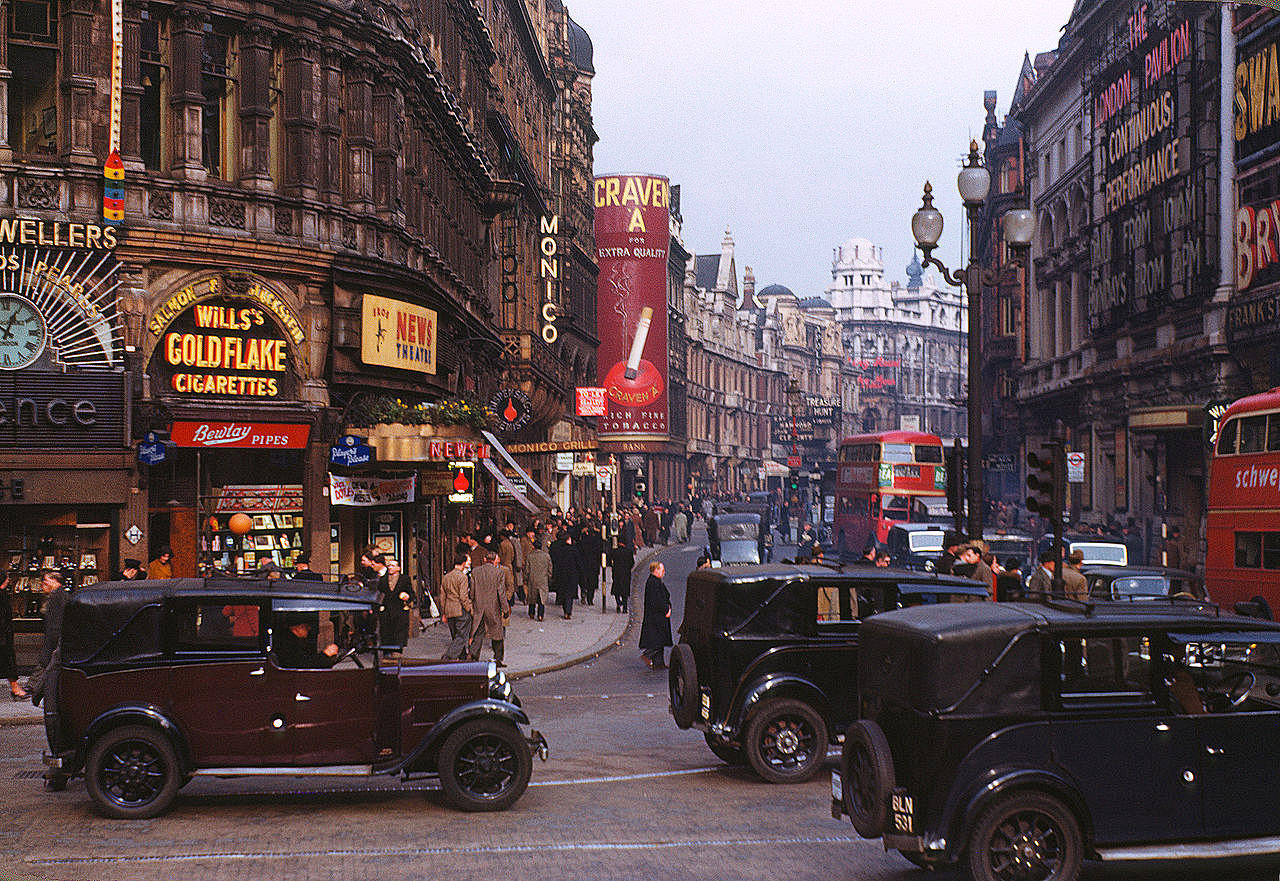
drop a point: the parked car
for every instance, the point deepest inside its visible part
(767, 658)
(1141, 582)
(1096, 549)
(739, 538)
(914, 545)
(1015, 545)
(1021, 739)
(163, 681)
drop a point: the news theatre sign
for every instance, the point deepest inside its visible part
(1151, 246)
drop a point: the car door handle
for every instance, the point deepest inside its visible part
(301, 697)
(258, 672)
(1215, 750)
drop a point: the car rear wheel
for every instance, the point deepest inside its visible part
(1026, 836)
(132, 773)
(485, 765)
(725, 752)
(682, 684)
(786, 741)
(866, 766)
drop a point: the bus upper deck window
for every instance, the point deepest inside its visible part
(1273, 433)
(1227, 437)
(928, 454)
(1253, 434)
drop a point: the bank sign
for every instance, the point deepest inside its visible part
(1151, 246)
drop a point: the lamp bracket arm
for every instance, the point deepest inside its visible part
(947, 276)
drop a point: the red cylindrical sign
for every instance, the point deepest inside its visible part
(632, 213)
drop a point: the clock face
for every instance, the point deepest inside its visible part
(23, 332)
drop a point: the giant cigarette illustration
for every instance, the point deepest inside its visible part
(637, 345)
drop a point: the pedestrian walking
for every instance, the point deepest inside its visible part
(623, 561)
(8, 660)
(162, 565)
(655, 630)
(491, 608)
(565, 574)
(537, 584)
(397, 600)
(590, 558)
(680, 526)
(456, 608)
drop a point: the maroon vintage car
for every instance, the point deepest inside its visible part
(162, 681)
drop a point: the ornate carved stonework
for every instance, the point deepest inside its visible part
(349, 234)
(161, 205)
(283, 221)
(226, 212)
(33, 193)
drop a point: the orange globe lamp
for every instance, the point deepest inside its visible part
(240, 523)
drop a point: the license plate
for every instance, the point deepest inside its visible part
(903, 809)
(837, 789)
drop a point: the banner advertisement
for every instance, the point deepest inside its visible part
(397, 334)
(632, 221)
(365, 492)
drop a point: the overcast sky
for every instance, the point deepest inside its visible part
(802, 124)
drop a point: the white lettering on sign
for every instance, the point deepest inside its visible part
(1255, 477)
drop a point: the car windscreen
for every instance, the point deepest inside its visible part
(1010, 547)
(1140, 586)
(1101, 552)
(739, 551)
(924, 542)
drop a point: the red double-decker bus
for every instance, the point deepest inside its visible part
(1242, 554)
(878, 479)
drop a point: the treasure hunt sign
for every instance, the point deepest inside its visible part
(632, 223)
(397, 334)
(1154, 127)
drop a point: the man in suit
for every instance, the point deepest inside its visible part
(491, 607)
(455, 607)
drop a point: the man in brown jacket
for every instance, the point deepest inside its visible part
(490, 606)
(456, 608)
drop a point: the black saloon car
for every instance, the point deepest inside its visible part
(1141, 582)
(738, 538)
(1021, 739)
(163, 681)
(915, 545)
(767, 659)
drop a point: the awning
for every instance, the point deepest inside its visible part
(528, 481)
(509, 486)
(775, 469)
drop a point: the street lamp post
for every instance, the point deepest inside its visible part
(1017, 228)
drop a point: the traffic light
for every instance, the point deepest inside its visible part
(793, 479)
(1047, 479)
(955, 479)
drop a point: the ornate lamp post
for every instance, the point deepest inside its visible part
(1017, 228)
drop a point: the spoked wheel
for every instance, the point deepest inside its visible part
(485, 765)
(1026, 836)
(132, 773)
(786, 741)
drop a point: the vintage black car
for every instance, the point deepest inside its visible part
(1021, 739)
(163, 681)
(915, 545)
(767, 657)
(1141, 582)
(741, 537)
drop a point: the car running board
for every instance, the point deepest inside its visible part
(321, 771)
(1205, 850)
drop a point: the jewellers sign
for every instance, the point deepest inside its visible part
(240, 435)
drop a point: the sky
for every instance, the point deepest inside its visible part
(803, 124)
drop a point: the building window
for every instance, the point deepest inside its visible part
(33, 91)
(1008, 323)
(218, 115)
(153, 70)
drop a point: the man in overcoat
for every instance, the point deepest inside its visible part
(491, 607)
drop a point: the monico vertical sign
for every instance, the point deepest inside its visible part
(1151, 246)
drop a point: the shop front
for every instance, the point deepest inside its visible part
(240, 485)
(65, 468)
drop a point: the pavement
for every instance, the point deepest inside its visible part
(532, 647)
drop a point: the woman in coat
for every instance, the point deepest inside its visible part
(623, 561)
(396, 603)
(655, 632)
(537, 579)
(565, 572)
(8, 661)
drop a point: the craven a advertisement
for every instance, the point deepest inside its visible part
(632, 238)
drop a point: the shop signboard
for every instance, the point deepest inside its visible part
(584, 469)
(385, 528)
(397, 334)
(224, 347)
(151, 451)
(512, 409)
(464, 483)
(75, 410)
(564, 462)
(591, 401)
(1075, 466)
(240, 435)
(1257, 97)
(368, 492)
(632, 229)
(350, 451)
(517, 483)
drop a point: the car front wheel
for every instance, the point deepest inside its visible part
(485, 765)
(1026, 836)
(132, 773)
(682, 683)
(786, 741)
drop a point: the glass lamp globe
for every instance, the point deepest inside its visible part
(1018, 227)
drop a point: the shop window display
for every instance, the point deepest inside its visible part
(270, 533)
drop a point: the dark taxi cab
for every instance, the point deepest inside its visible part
(1022, 739)
(162, 681)
(767, 660)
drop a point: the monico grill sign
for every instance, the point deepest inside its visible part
(1151, 246)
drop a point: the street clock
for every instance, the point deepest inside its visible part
(23, 332)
